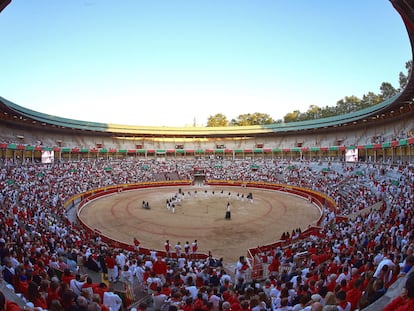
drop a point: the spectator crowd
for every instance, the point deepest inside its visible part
(46, 255)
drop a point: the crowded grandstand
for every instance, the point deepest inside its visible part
(357, 168)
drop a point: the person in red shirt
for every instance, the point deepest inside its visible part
(7, 305)
(20, 282)
(354, 276)
(199, 303)
(353, 295)
(341, 301)
(167, 246)
(110, 263)
(405, 301)
(160, 268)
(34, 296)
(189, 304)
(90, 283)
(166, 289)
(332, 266)
(288, 252)
(53, 292)
(67, 276)
(274, 265)
(312, 249)
(101, 289)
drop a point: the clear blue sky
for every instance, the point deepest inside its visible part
(173, 62)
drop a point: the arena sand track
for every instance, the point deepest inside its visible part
(200, 215)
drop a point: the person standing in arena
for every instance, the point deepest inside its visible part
(136, 244)
(228, 212)
(187, 249)
(167, 247)
(178, 249)
(194, 248)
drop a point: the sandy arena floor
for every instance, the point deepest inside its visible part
(201, 215)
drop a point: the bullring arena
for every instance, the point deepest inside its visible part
(200, 215)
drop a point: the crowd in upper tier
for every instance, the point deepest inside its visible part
(350, 266)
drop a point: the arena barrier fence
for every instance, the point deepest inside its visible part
(258, 269)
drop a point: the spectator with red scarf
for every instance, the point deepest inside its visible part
(241, 268)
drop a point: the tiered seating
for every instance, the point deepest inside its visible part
(340, 237)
